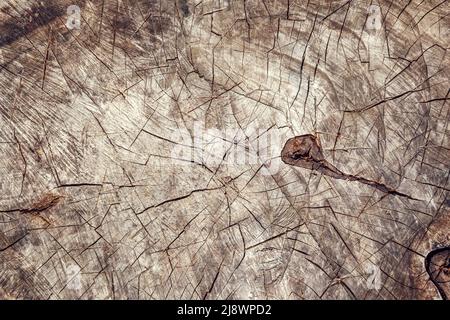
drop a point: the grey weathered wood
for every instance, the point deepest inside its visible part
(93, 203)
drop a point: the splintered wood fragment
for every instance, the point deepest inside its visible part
(305, 151)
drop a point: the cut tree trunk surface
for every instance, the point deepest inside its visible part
(228, 149)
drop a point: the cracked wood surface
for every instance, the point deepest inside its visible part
(94, 204)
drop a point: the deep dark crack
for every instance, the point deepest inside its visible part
(306, 152)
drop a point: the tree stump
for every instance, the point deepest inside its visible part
(141, 149)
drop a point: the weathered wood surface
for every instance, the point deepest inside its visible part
(95, 203)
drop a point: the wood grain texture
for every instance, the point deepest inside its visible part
(95, 205)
